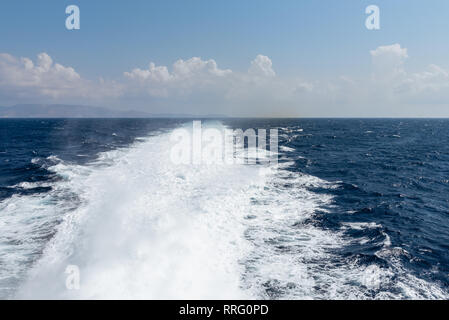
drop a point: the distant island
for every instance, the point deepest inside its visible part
(75, 111)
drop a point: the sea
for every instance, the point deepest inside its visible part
(351, 209)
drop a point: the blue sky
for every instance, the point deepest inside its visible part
(317, 40)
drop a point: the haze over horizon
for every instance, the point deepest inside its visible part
(298, 59)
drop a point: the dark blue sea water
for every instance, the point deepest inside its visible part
(391, 180)
(359, 209)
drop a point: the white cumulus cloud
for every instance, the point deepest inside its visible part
(21, 79)
(262, 66)
(43, 77)
(182, 70)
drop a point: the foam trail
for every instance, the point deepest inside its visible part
(149, 229)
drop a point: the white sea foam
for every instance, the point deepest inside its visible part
(149, 229)
(362, 225)
(26, 225)
(287, 149)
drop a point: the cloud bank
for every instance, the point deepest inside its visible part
(21, 80)
(200, 86)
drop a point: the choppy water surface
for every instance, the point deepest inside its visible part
(356, 209)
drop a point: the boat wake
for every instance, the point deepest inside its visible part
(138, 226)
